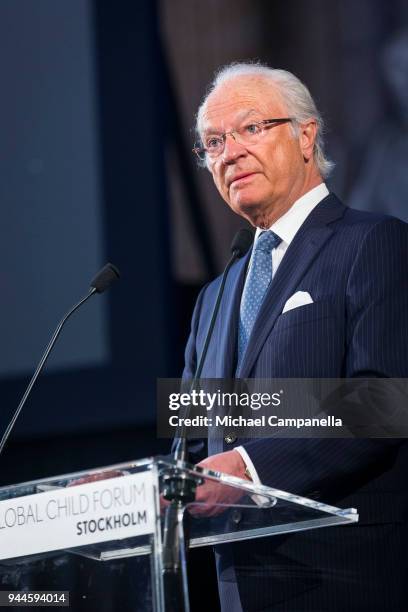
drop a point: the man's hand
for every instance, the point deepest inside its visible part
(211, 492)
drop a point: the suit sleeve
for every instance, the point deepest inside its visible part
(190, 355)
(376, 345)
(197, 449)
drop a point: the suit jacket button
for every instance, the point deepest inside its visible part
(230, 438)
(236, 516)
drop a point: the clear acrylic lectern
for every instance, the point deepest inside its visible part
(117, 512)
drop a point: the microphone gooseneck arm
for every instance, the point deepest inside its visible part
(241, 243)
(178, 488)
(41, 365)
(235, 256)
(100, 283)
(180, 453)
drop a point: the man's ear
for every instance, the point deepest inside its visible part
(307, 138)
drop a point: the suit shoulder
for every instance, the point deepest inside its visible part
(211, 289)
(379, 240)
(233, 281)
(366, 223)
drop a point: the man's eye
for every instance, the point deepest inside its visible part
(213, 143)
(251, 128)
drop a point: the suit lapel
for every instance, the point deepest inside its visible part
(228, 320)
(302, 251)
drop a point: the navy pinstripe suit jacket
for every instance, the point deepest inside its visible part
(354, 265)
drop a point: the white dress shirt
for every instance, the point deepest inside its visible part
(286, 227)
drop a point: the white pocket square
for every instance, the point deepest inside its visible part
(300, 298)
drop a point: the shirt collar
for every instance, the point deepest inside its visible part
(288, 225)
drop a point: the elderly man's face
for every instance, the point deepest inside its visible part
(261, 181)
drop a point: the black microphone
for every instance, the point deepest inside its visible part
(105, 277)
(102, 281)
(242, 241)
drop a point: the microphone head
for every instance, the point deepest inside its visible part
(242, 241)
(105, 277)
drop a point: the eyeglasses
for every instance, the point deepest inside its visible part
(213, 145)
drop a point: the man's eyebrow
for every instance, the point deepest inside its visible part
(240, 117)
(248, 113)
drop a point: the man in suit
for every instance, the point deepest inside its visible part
(260, 136)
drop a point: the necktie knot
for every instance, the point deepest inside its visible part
(267, 241)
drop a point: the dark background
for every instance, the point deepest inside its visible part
(96, 109)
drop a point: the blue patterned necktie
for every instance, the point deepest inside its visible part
(256, 284)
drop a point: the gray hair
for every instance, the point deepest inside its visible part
(295, 94)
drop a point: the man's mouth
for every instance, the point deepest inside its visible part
(241, 178)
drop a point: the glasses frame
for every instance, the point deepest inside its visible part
(201, 152)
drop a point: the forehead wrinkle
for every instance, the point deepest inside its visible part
(241, 116)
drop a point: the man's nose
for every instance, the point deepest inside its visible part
(232, 149)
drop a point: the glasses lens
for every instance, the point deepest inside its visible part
(199, 151)
(214, 145)
(249, 133)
